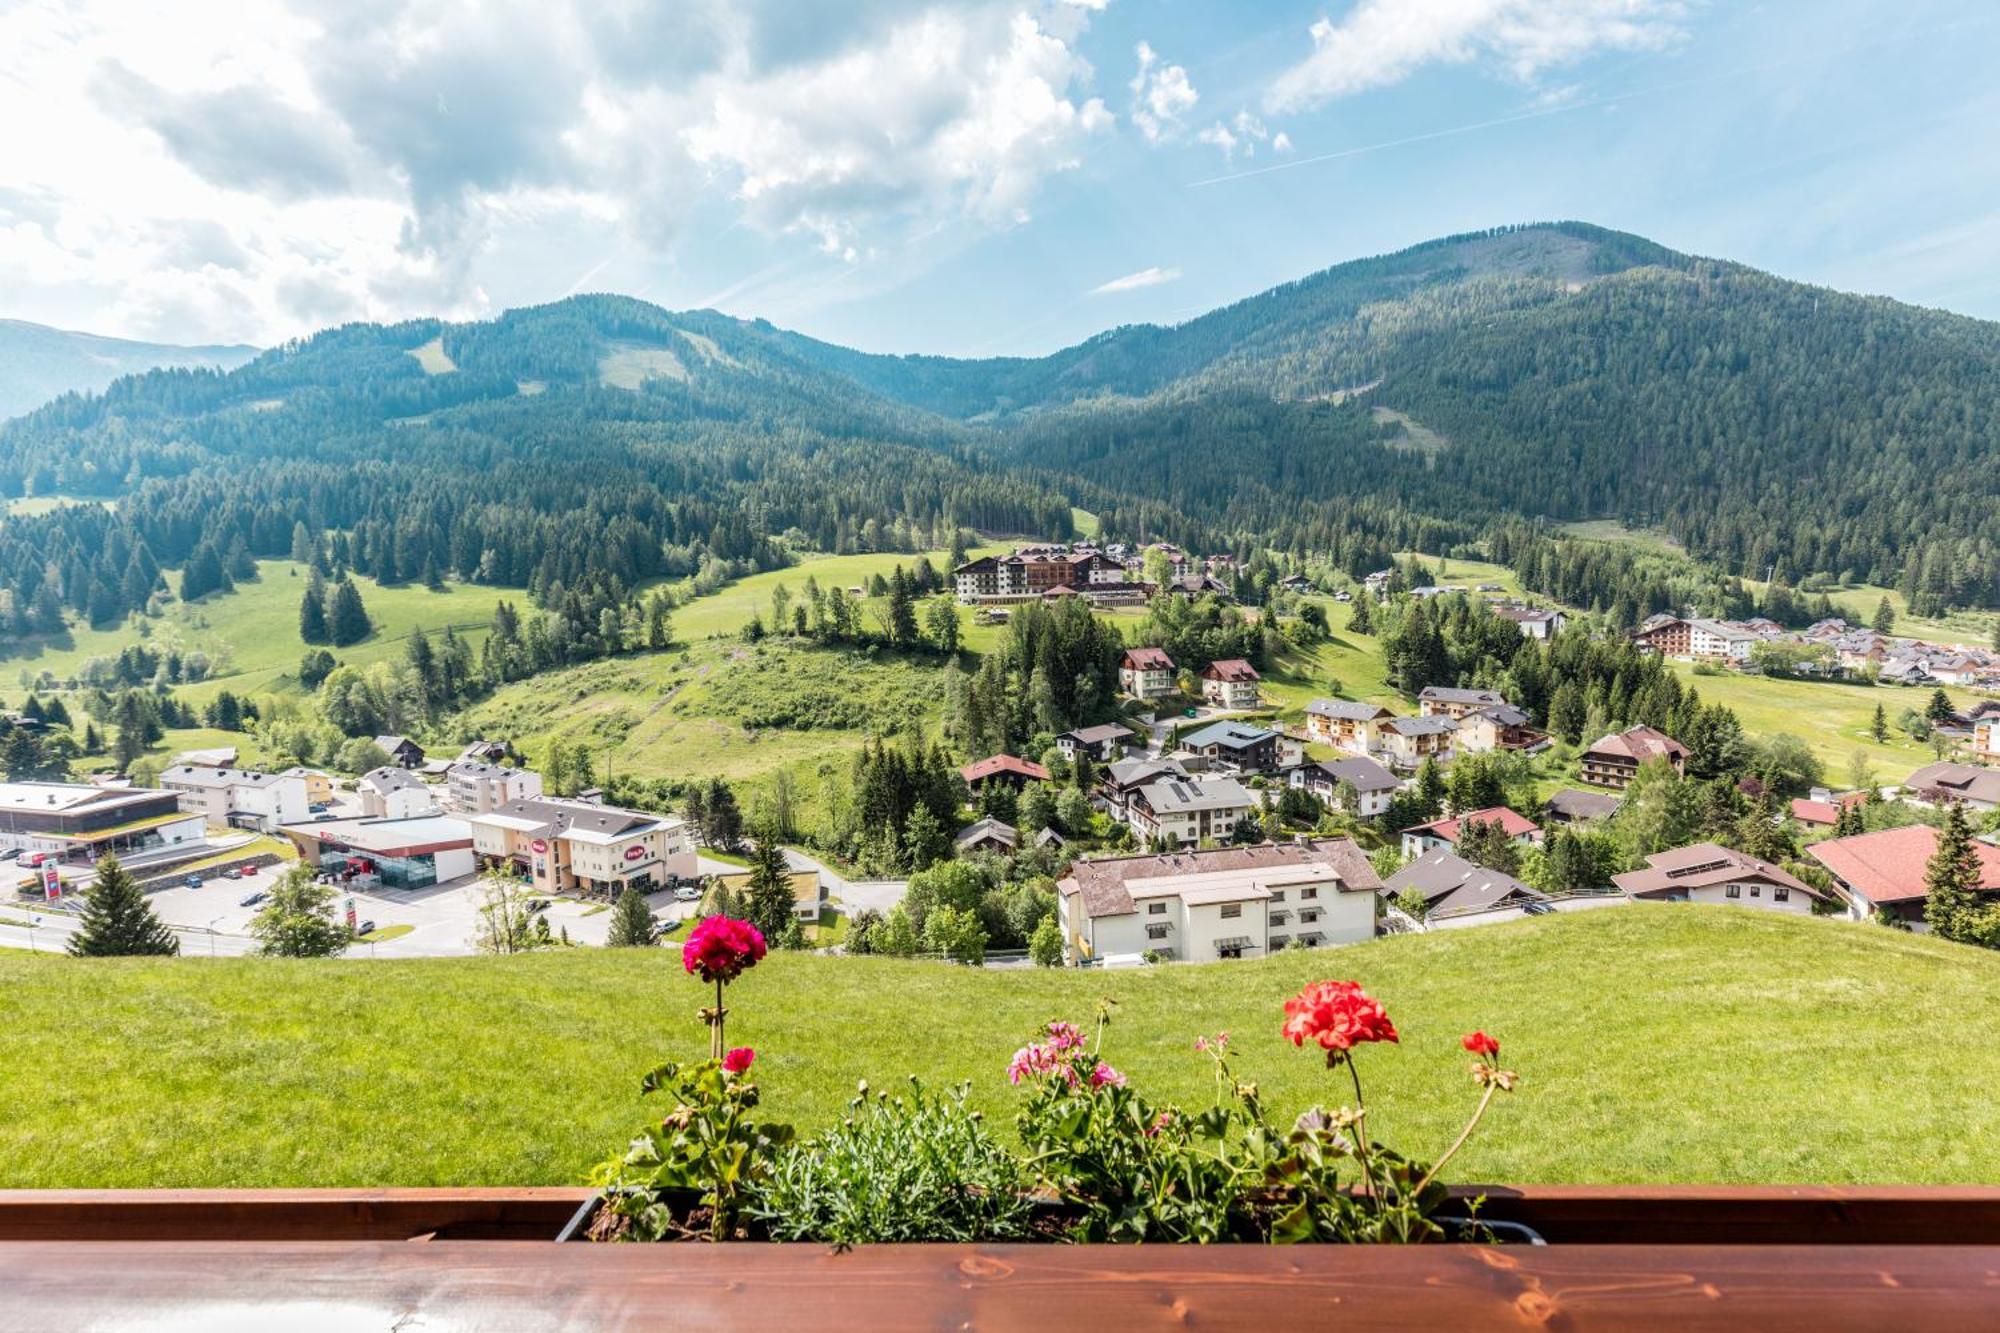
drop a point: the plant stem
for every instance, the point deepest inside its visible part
(1464, 1134)
(715, 1030)
(1361, 1130)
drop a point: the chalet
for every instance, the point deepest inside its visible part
(1613, 761)
(1498, 727)
(1533, 622)
(1407, 741)
(483, 752)
(1225, 902)
(1445, 832)
(1882, 873)
(1946, 783)
(1146, 673)
(1198, 585)
(392, 793)
(1986, 737)
(987, 835)
(221, 757)
(402, 751)
(1295, 583)
(1448, 701)
(1572, 805)
(1103, 744)
(1184, 810)
(1822, 810)
(1230, 683)
(1710, 873)
(1121, 781)
(1235, 745)
(1450, 885)
(1344, 723)
(1373, 784)
(1005, 768)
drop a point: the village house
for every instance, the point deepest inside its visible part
(1449, 701)
(1573, 805)
(402, 751)
(1822, 809)
(1344, 723)
(1519, 829)
(392, 793)
(563, 846)
(1613, 761)
(1235, 745)
(1450, 885)
(1881, 874)
(1966, 784)
(1498, 727)
(1373, 784)
(1407, 741)
(1103, 743)
(222, 756)
(319, 784)
(1121, 780)
(986, 835)
(1004, 768)
(1146, 673)
(238, 798)
(1184, 810)
(472, 787)
(483, 752)
(1986, 738)
(1227, 902)
(1230, 683)
(1710, 873)
(1533, 622)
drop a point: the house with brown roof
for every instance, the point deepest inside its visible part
(1883, 872)
(1015, 772)
(1452, 702)
(1711, 873)
(1450, 885)
(1146, 673)
(1346, 723)
(1445, 832)
(1962, 784)
(1573, 805)
(1372, 784)
(1224, 902)
(1498, 727)
(1102, 743)
(987, 835)
(1230, 683)
(1613, 761)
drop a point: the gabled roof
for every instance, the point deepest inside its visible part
(1452, 883)
(1512, 822)
(1365, 774)
(1956, 782)
(1451, 694)
(1232, 669)
(1003, 763)
(1146, 659)
(985, 830)
(386, 780)
(1100, 882)
(1136, 772)
(391, 744)
(1435, 725)
(1700, 866)
(1504, 715)
(1229, 735)
(1888, 866)
(1348, 710)
(1638, 744)
(1109, 731)
(1572, 803)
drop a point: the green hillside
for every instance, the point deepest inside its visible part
(1691, 1044)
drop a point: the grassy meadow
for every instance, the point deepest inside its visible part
(1654, 1043)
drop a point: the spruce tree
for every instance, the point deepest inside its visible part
(347, 619)
(769, 891)
(117, 921)
(1951, 878)
(1878, 727)
(312, 614)
(631, 923)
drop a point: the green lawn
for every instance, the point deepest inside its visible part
(1657, 1043)
(1832, 717)
(727, 610)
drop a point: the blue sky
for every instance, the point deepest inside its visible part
(959, 176)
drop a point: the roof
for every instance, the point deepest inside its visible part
(1365, 774)
(1503, 715)
(1233, 669)
(1955, 781)
(202, 775)
(1181, 795)
(1888, 866)
(1100, 883)
(1815, 812)
(1450, 882)
(221, 757)
(1350, 710)
(1137, 772)
(386, 780)
(1433, 725)
(1147, 659)
(71, 797)
(1233, 735)
(1525, 615)
(581, 821)
(1638, 744)
(1109, 731)
(984, 830)
(1700, 866)
(1512, 822)
(1003, 763)
(476, 768)
(395, 743)
(392, 837)
(1451, 694)
(1572, 803)
(1235, 884)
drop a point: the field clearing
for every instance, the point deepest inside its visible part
(433, 358)
(27, 506)
(1654, 1044)
(1613, 530)
(1832, 717)
(728, 610)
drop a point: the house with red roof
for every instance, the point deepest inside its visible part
(1230, 683)
(1016, 773)
(1818, 813)
(1444, 832)
(1882, 873)
(1146, 673)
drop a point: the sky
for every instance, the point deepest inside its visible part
(965, 177)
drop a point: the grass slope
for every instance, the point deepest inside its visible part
(1690, 1043)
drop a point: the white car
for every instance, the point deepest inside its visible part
(688, 893)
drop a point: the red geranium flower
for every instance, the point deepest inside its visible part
(739, 1059)
(1481, 1044)
(720, 947)
(1339, 1015)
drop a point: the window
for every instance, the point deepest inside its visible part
(1311, 914)
(1277, 895)
(1156, 932)
(1756, 890)
(1231, 911)
(1156, 909)
(1781, 895)
(1304, 894)
(1733, 891)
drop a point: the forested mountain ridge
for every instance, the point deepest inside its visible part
(39, 363)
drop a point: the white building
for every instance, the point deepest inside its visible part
(1230, 683)
(473, 787)
(1146, 673)
(239, 798)
(1187, 810)
(565, 845)
(1373, 784)
(393, 793)
(1229, 902)
(1710, 873)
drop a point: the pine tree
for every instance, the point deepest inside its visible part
(312, 614)
(347, 619)
(1879, 726)
(631, 922)
(1885, 617)
(1361, 619)
(1951, 878)
(117, 920)
(769, 889)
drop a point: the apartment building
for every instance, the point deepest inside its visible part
(1146, 673)
(239, 798)
(473, 787)
(577, 846)
(1188, 810)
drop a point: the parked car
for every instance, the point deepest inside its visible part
(365, 928)
(10, 854)
(687, 893)
(250, 900)
(193, 881)
(234, 872)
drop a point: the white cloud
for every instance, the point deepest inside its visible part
(1132, 282)
(1161, 94)
(315, 160)
(1243, 134)
(1380, 42)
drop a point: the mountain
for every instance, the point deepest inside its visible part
(38, 363)
(1424, 399)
